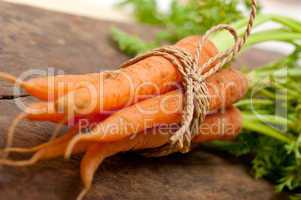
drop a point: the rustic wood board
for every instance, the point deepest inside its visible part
(33, 38)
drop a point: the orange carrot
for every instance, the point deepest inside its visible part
(89, 164)
(218, 126)
(56, 141)
(40, 111)
(49, 151)
(151, 76)
(154, 69)
(52, 87)
(43, 111)
(225, 88)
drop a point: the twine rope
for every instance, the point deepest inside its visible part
(196, 102)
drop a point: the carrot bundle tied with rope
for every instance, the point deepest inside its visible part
(205, 88)
(196, 97)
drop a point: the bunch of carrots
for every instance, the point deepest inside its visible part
(133, 108)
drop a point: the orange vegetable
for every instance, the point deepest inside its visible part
(41, 112)
(215, 127)
(147, 78)
(218, 126)
(225, 88)
(135, 91)
(156, 70)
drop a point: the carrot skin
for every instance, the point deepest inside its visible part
(56, 141)
(89, 164)
(43, 111)
(52, 87)
(222, 126)
(229, 85)
(217, 126)
(149, 77)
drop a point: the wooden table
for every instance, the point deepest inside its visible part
(31, 38)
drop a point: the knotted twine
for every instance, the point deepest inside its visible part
(196, 98)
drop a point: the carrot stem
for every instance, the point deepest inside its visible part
(246, 102)
(273, 119)
(272, 35)
(224, 41)
(254, 125)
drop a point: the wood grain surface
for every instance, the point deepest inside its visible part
(32, 38)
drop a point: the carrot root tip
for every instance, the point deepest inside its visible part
(58, 129)
(71, 145)
(12, 79)
(20, 150)
(83, 193)
(34, 159)
(11, 133)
